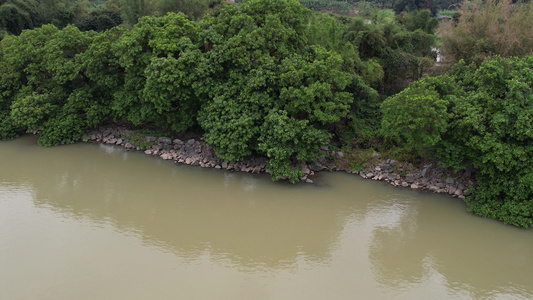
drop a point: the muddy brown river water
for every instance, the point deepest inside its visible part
(89, 221)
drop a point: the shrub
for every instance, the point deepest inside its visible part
(488, 28)
(480, 117)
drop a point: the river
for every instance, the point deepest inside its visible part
(88, 221)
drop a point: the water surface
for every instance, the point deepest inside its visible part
(89, 221)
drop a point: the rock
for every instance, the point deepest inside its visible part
(376, 155)
(451, 190)
(112, 141)
(164, 140)
(128, 146)
(393, 176)
(188, 160)
(369, 175)
(190, 142)
(433, 188)
(377, 168)
(450, 180)
(386, 168)
(189, 149)
(339, 154)
(308, 180)
(224, 165)
(458, 192)
(178, 142)
(409, 178)
(119, 141)
(305, 169)
(438, 184)
(324, 148)
(218, 167)
(316, 166)
(423, 181)
(405, 184)
(166, 156)
(415, 186)
(148, 151)
(150, 139)
(426, 170)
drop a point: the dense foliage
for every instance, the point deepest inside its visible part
(17, 15)
(484, 29)
(270, 92)
(265, 77)
(249, 79)
(481, 117)
(271, 78)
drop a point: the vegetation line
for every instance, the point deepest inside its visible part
(272, 78)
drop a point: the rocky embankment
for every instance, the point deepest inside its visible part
(197, 153)
(433, 178)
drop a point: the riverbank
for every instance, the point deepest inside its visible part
(191, 151)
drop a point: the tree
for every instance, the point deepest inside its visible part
(260, 73)
(487, 29)
(17, 15)
(479, 117)
(404, 53)
(133, 10)
(157, 59)
(413, 5)
(61, 12)
(45, 88)
(492, 130)
(99, 19)
(417, 117)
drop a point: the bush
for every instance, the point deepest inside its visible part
(480, 117)
(486, 29)
(417, 117)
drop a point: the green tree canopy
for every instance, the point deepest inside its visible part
(480, 117)
(17, 15)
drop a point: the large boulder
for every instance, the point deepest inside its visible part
(164, 140)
